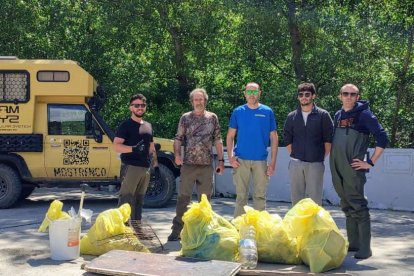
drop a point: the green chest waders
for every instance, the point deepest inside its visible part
(349, 144)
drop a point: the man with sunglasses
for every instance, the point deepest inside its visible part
(349, 163)
(198, 130)
(255, 126)
(134, 141)
(308, 135)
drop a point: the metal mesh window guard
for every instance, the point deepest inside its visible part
(14, 86)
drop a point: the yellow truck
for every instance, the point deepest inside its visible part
(51, 133)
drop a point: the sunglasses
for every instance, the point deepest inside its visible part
(138, 105)
(306, 94)
(252, 92)
(347, 94)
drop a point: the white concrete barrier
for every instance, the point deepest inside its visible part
(390, 184)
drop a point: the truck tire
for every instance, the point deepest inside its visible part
(160, 192)
(26, 192)
(10, 186)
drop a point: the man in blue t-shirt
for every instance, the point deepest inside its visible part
(255, 125)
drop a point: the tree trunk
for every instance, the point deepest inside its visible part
(402, 85)
(179, 58)
(295, 41)
(180, 64)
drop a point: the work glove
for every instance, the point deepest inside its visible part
(139, 147)
(157, 173)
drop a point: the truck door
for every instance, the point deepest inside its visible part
(70, 151)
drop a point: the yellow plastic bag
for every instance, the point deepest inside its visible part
(207, 235)
(109, 232)
(125, 241)
(321, 245)
(54, 212)
(110, 223)
(273, 243)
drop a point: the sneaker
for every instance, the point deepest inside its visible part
(174, 236)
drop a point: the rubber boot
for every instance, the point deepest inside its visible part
(178, 224)
(352, 233)
(364, 228)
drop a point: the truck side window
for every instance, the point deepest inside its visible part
(66, 119)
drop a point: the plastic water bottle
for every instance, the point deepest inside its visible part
(247, 247)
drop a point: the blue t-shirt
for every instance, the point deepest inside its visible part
(253, 131)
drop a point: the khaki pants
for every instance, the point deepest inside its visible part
(133, 189)
(202, 177)
(241, 178)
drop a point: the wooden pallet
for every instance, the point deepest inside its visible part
(131, 263)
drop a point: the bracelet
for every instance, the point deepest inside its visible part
(222, 160)
(369, 161)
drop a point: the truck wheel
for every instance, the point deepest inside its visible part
(10, 186)
(160, 192)
(26, 192)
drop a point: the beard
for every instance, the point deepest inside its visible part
(310, 102)
(199, 107)
(139, 114)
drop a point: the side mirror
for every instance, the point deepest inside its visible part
(88, 124)
(91, 129)
(98, 135)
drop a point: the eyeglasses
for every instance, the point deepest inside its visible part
(347, 94)
(252, 92)
(306, 94)
(139, 105)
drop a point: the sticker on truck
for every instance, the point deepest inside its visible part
(80, 172)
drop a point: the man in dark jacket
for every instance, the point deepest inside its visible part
(308, 135)
(349, 163)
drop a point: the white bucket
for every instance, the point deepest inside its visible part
(64, 239)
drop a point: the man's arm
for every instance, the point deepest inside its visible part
(381, 139)
(274, 144)
(377, 154)
(231, 134)
(220, 157)
(119, 146)
(364, 165)
(178, 141)
(327, 148)
(177, 152)
(287, 134)
(289, 148)
(327, 128)
(153, 153)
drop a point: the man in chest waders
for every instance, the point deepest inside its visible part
(349, 163)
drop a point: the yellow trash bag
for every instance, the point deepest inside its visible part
(109, 232)
(207, 235)
(273, 243)
(54, 212)
(321, 245)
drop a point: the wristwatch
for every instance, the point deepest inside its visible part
(222, 160)
(369, 161)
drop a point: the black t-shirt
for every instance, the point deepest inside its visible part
(134, 133)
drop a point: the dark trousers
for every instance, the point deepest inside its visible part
(190, 175)
(133, 188)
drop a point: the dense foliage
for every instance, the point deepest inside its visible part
(164, 49)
